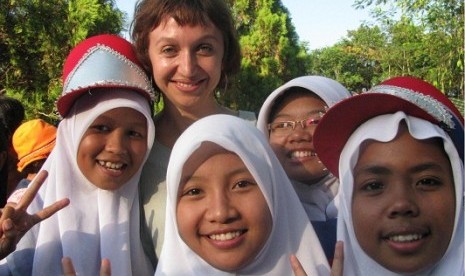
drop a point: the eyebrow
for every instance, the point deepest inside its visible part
(373, 169)
(379, 169)
(426, 166)
(190, 177)
(172, 39)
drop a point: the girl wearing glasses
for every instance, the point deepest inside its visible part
(288, 117)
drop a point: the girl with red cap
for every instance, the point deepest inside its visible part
(398, 152)
(102, 142)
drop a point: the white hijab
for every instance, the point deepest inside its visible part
(329, 90)
(98, 223)
(384, 128)
(292, 232)
(317, 197)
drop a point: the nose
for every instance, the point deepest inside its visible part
(403, 203)
(301, 133)
(187, 63)
(221, 209)
(116, 142)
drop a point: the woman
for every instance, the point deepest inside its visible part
(190, 48)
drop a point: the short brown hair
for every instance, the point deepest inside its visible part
(150, 13)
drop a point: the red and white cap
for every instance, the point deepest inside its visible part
(102, 61)
(411, 95)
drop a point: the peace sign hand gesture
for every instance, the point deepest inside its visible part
(15, 221)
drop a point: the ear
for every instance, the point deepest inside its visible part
(3, 156)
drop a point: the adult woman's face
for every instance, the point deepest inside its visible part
(186, 63)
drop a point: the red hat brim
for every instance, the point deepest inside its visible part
(338, 124)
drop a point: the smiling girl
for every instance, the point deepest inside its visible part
(399, 155)
(231, 208)
(101, 145)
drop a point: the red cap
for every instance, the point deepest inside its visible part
(413, 96)
(102, 61)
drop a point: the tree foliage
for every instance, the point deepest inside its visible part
(423, 38)
(271, 52)
(36, 36)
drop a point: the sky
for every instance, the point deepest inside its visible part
(321, 23)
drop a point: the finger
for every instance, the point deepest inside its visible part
(50, 210)
(8, 239)
(297, 267)
(338, 261)
(32, 190)
(105, 268)
(7, 214)
(67, 266)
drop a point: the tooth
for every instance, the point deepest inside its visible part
(225, 236)
(406, 238)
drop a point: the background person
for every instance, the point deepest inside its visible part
(288, 118)
(190, 48)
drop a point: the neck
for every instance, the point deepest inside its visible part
(171, 122)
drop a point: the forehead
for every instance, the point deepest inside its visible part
(403, 148)
(298, 97)
(201, 154)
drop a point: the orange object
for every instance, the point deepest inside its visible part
(32, 141)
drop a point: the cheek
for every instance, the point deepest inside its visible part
(186, 225)
(278, 148)
(139, 151)
(86, 148)
(442, 210)
(360, 215)
(260, 214)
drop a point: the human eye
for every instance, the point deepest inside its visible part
(191, 192)
(205, 49)
(429, 183)
(281, 125)
(169, 51)
(137, 133)
(244, 184)
(371, 187)
(312, 121)
(99, 128)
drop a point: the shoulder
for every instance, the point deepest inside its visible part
(248, 116)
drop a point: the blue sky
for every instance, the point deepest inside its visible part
(319, 22)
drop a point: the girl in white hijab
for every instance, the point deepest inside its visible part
(418, 233)
(290, 232)
(96, 163)
(301, 98)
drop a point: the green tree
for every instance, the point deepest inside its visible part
(36, 36)
(271, 52)
(440, 53)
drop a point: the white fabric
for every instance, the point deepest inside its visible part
(317, 197)
(329, 90)
(152, 189)
(384, 128)
(316, 200)
(291, 232)
(98, 223)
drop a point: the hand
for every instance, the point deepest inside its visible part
(297, 267)
(336, 268)
(338, 261)
(15, 221)
(68, 268)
